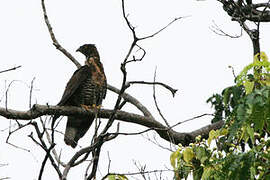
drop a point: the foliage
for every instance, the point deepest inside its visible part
(117, 177)
(241, 149)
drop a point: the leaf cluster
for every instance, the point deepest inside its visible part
(240, 150)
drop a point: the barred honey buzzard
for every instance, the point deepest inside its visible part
(86, 88)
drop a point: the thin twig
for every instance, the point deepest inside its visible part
(159, 111)
(154, 34)
(172, 90)
(156, 142)
(132, 134)
(30, 93)
(155, 100)
(191, 119)
(5, 178)
(11, 69)
(11, 132)
(44, 147)
(55, 42)
(2, 165)
(56, 156)
(136, 173)
(134, 59)
(109, 164)
(233, 72)
(220, 32)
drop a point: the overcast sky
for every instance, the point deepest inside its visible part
(188, 56)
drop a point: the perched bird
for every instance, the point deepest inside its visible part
(86, 88)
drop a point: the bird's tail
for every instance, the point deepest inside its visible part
(71, 131)
(75, 129)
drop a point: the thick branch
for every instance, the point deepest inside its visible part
(163, 131)
(247, 12)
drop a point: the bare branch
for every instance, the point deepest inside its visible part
(163, 131)
(46, 149)
(131, 100)
(5, 178)
(96, 155)
(11, 69)
(55, 42)
(154, 34)
(134, 59)
(233, 72)
(155, 99)
(245, 12)
(77, 155)
(44, 161)
(136, 173)
(30, 93)
(173, 91)
(2, 165)
(191, 119)
(131, 134)
(11, 132)
(56, 156)
(220, 32)
(154, 141)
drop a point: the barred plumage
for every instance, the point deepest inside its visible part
(87, 86)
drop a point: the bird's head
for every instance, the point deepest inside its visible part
(89, 50)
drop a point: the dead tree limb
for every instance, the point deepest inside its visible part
(163, 131)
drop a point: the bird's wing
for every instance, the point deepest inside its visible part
(75, 81)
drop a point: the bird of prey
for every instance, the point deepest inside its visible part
(86, 88)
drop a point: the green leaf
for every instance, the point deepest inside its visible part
(201, 154)
(188, 155)
(111, 177)
(263, 57)
(123, 177)
(223, 132)
(259, 124)
(173, 158)
(250, 132)
(206, 173)
(249, 85)
(252, 172)
(212, 135)
(117, 177)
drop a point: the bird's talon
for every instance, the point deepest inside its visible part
(87, 108)
(94, 106)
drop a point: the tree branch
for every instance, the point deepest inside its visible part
(164, 132)
(11, 69)
(172, 90)
(55, 42)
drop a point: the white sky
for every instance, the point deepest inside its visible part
(188, 56)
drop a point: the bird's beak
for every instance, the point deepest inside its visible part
(78, 50)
